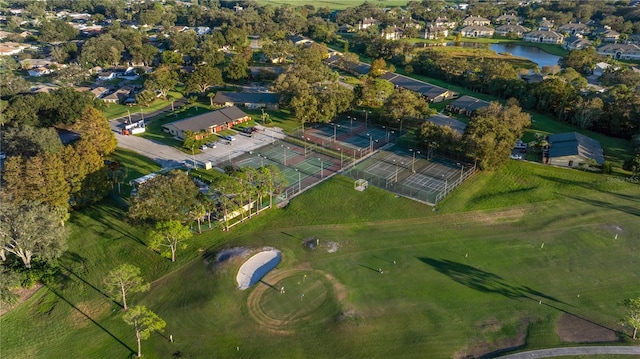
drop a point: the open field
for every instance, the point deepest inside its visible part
(116, 110)
(470, 53)
(467, 280)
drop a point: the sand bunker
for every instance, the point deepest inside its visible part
(257, 267)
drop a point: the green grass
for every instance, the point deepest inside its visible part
(478, 53)
(113, 111)
(477, 260)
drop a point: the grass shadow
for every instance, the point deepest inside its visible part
(373, 269)
(133, 352)
(484, 281)
(594, 202)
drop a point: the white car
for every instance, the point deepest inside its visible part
(516, 157)
(203, 147)
(229, 138)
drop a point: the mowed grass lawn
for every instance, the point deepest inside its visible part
(465, 278)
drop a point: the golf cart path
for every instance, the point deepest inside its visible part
(556, 352)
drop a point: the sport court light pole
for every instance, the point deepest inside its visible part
(413, 161)
(339, 149)
(321, 168)
(299, 181)
(350, 124)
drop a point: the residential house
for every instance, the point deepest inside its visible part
(392, 33)
(12, 48)
(444, 22)
(28, 64)
(211, 122)
(119, 96)
(476, 31)
(100, 91)
(4, 34)
(609, 35)
(39, 71)
(620, 51)
(573, 28)
(511, 29)
(575, 42)
(508, 19)
(443, 120)
(601, 67)
(533, 78)
(476, 20)
(543, 36)
(178, 28)
(431, 92)
(366, 23)
(467, 105)
(106, 76)
(435, 32)
(300, 40)
(202, 30)
(545, 25)
(573, 150)
(250, 100)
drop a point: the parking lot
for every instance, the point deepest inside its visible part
(169, 157)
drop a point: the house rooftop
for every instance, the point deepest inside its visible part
(209, 119)
(246, 97)
(573, 143)
(469, 103)
(442, 120)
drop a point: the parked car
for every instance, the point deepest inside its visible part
(516, 157)
(229, 138)
(203, 147)
(211, 144)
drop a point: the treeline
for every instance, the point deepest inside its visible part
(615, 112)
(43, 179)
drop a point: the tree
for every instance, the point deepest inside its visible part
(168, 237)
(378, 67)
(11, 84)
(144, 323)
(29, 141)
(122, 280)
(103, 50)
(31, 230)
(587, 111)
(57, 30)
(373, 92)
(184, 42)
(582, 61)
(163, 80)
(165, 198)
(93, 126)
(404, 104)
(202, 78)
(71, 74)
(492, 133)
(632, 318)
(145, 98)
(237, 68)
(8, 280)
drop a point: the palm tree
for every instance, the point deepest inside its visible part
(211, 95)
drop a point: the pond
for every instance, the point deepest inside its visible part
(532, 53)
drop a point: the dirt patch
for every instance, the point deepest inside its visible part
(23, 294)
(332, 247)
(497, 217)
(577, 330)
(483, 346)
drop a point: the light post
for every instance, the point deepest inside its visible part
(299, 181)
(413, 161)
(350, 124)
(335, 132)
(261, 160)
(284, 153)
(354, 157)
(366, 117)
(229, 154)
(396, 170)
(461, 171)
(339, 149)
(321, 168)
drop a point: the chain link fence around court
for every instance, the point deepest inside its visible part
(350, 138)
(302, 168)
(409, 173)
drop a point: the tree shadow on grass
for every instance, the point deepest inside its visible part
(609, 205)
(132, 352)
(483, 281)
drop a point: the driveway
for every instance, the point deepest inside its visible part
(557, 352)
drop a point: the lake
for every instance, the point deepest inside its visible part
(532, 53)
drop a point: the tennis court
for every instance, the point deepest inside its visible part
(300, 171)
(409, 173)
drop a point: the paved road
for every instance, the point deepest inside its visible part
(556, 352)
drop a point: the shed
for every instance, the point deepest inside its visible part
(573, 150)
